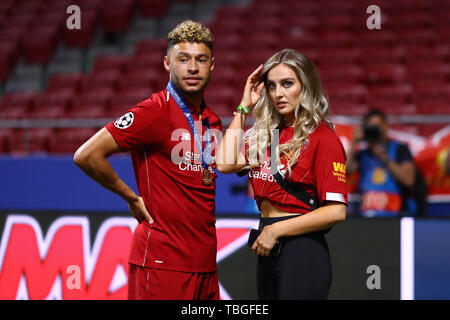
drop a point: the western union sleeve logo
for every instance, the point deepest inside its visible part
(339, 171)
(339, 167)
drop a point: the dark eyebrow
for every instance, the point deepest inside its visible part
(282, 80)
(189, 55)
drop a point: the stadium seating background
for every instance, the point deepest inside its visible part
(58, 86)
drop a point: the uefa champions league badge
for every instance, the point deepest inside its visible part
(124, 121)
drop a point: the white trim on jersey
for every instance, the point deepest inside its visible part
(333, 196)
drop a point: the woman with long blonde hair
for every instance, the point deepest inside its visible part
(296, 166)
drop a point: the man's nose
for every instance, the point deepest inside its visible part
(192, 66)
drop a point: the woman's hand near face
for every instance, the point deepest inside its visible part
(253, 89)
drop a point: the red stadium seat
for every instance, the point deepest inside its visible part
(301, 8)
(144, 61)
(415, 37)
(348, 108)
(434, 106)
(16, 105)
(224, 76)
(346, 93)
(410, 20)
(226, 59)
(436, 54)
(19, 19)
(67, 141)
(122, 102)
(40, 44)
(150, 79)
(375, 39)
(223, 27)
(50, 19)
(82, 38)
(220, 94)
(47, 112)
(85, 112)
(441, 17)
(401, 93)
(386, 73)
(296, 24)
(62, 82)
(430, 70)
(24, 100)
(13, 34)
(336, 38)
(337, 7)
(53, 99)
(338, 21)
(340, 72)
(101, 97)
(116, 16)
(151, 46)
(4, 143)
(297, 38)
(225, 13)
(340, 55)
(393, 107)
(152, 8)
(432, 90)
(261, 40)
(222, 110)
(384, 55)
(225, 41)
(9, 56)
(34, 140)
(109, 62)
(262, 23)
(103, 80)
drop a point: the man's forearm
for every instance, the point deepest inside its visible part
(99, 169)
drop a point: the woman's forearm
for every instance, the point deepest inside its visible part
(317, 220)
(227, 159)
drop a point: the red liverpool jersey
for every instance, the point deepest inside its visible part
(168, 171)
(320, 171)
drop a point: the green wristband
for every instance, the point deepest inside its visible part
(244, 110)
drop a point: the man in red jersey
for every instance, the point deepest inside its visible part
(173, 251)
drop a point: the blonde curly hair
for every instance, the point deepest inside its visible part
(190, 31)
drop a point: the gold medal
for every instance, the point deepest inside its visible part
(206, 177)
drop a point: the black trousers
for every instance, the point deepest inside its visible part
(302, 270)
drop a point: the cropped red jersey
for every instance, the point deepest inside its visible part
(320, 171)
(168, 171)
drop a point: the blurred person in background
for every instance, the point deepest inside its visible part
(447, 162)
(173, 250)
(286, 96)
(386, 167)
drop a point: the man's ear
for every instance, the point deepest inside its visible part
(167, 63)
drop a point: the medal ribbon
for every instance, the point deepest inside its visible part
(206, 154)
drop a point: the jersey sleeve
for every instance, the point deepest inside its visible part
(329, 170)
(143, 125)
(403, 154)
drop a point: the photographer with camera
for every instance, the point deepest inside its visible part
(386, 167)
